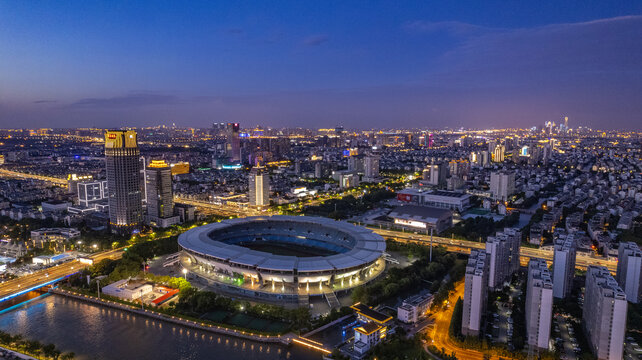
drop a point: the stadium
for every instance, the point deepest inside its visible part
(267, 256)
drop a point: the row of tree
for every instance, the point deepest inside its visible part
(33, 347)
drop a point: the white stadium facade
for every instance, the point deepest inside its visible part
(283, 256)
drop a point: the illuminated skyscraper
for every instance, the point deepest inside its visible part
(259, 186)
(123, 181)
(160, 200)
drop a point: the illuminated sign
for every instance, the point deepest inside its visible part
(411, 223)
(112, 136)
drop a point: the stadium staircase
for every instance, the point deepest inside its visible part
(332, 299)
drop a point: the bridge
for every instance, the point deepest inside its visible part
(41, 278)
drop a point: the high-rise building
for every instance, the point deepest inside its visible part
(498, 250)
(438, 173)
(160, 200)
(502, 184)
(371, 168)
(629, 270)
(503, 256)
(499, 153)
(539, 304)
(233, 142)
(563, 266)
(123, 181)
(259, 186)
(604, 314)
(475, 292)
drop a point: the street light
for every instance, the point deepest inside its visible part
(185, 273)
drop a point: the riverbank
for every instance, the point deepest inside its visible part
(16, 355)
(286, 339)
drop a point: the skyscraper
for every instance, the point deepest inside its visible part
(233, 142)
(604, 314)
(502, 184)
(499, 153)
(539, 304)
(475, 292)
(629, 270)
(160, 200)
(123, 181)
(563, 266)
(259, 186)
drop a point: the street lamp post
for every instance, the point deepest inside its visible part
(185, 273)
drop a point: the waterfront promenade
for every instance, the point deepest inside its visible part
(285, 339)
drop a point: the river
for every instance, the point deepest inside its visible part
(94, 332)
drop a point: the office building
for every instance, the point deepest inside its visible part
(233, 142)
(475, 292)
(563, 266)
(123, 181)
(629, 267)
(604, 314)
(539, 304)
(259, 186)
(160, 199)
(502, 184)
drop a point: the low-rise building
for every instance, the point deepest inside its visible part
(128, 289)
(416, 217)
(414, 308)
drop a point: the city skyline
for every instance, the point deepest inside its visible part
(288, 65)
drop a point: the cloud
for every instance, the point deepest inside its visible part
(127, 101)
(315, 40)
(45, 101)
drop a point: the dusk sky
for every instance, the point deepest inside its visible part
(361, 64)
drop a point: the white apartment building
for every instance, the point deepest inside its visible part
(475, 292)
(414, 308)
(629, 267)
(503, 254)
(563, 266)
(539, 304)
(604, 314)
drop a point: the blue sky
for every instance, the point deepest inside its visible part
(362, 64)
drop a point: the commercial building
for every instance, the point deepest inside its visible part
(499, 153)
(604, 314)
(123, 181)
(160, 199)
(475, 293)
(127, 289)
(233, 142)
(373, 329)
(502, 184)
(45, 235)
(414, 308)
(539, 304)
(415, 217)
(563, 266)
(259, 187)
(437, 198)
(438, 174)
(180, 168)
(629, 267)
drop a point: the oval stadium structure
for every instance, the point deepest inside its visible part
(280, 256)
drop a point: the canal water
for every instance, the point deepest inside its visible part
(94, 332)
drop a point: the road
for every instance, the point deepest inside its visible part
(40, 277)
(464, 246)
(16, 174)
(440, 331)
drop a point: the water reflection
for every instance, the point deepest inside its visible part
(94, 332)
